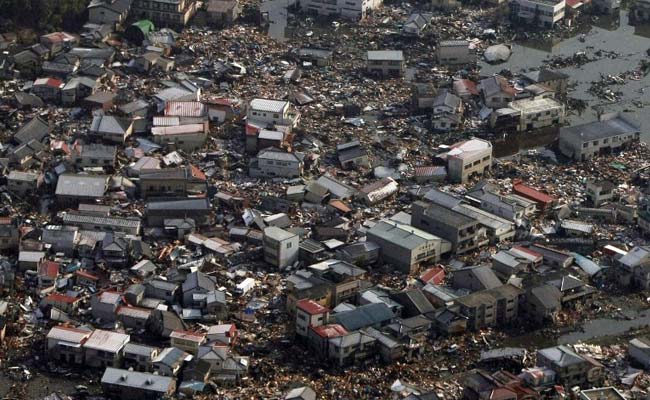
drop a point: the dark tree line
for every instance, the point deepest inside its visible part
(43, 15)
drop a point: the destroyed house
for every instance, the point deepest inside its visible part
(378, 191)
(223, 12)
(23, 183)
(308, 285)
(612, 133)
(497, 92)
(188, 181)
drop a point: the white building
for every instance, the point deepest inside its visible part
(543, 13)
(280, 247)
(467, 158)
(267, 112)
(349, 9)
(456, 52)
(276, 163)
(538, 113)
(613, 132)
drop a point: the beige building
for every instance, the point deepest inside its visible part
(386, 63)
(165, 12)
(468, 158)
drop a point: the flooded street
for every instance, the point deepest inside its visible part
(617, 50)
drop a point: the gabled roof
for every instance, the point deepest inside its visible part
(382, 55)
(110, 124)
(199, 280)
(36, 129)
(138, 380)
(364, 316)
(496, 84)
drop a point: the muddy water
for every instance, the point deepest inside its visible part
(609, 35)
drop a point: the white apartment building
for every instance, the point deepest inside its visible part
(349, 9)
(543, 13)
(538, 112)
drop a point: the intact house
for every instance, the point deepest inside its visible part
(132, 385)
(456, 52)
(404, 246)
(612, 133)
(600, 191)
(65, 344)
(109, 12)
(36, 129)
(172, 182)
(571, 369)
(105, 305)
(110, 128)
(23, 183)
(475, 279)
(270, 113)
(93, 155)
(187, 341)
(447, 111)
(497, 92)
(79, 87)
(223, 12)
(74, 189)
(139, 357)
(458, 229)
(385, 63)
(543, 303)
(310, 314)
(352, 155)
(104, 348)
(276, 163)
(48, 89)
(188, 137)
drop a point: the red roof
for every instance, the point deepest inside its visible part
(197, 173)
(532, 194)
(49, 269)
(529, 251)
(311, 307)
(329, 331)
(61, 298)
(86, 275)
(435, 274)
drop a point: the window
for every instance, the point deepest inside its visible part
(595, 142)
(584, 145)
(289, 245)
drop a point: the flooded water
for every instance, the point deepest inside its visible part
(618, 47)
(277, 14)
(605, 327)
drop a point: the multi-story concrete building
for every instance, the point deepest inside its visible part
(456, 52)
(404, 246)
(387, 63)
(492, 307)
(468, 158)
(175, 13)
(613, 132)
(543, 13)
(461, 230)
(349, 9)
(538, 113)
(280, 247)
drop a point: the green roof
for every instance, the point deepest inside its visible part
(145, 25)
